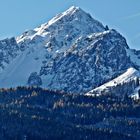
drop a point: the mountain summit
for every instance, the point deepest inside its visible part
(72, 52)
(74, 22)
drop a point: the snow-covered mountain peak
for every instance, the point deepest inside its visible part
(72, 10)
(74, 22)
(72, 52)
(73, 16)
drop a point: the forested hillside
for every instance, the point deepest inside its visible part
(33, 113)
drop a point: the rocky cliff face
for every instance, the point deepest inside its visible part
(72, 52)
(8, 51)
(99, 56)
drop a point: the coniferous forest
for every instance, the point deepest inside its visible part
(33, 113)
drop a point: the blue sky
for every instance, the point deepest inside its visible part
(16, 16)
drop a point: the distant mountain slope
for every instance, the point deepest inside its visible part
(72, 52)
(126, 83)
(134, 56)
